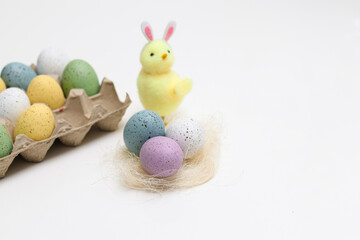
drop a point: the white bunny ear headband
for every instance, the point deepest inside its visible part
(169, 30)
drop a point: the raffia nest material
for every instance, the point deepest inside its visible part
(194, 171)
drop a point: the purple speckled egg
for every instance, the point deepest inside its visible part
(161, 156)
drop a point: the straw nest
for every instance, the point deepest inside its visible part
(195, 171)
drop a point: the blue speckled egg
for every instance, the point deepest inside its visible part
(17, 75)
(141, 127)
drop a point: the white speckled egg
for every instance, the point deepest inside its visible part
(52, 61)
(189, 134)
(13, 102)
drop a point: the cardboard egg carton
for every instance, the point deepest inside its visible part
(72, 122)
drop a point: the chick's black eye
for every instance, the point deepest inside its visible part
(168, 51)
(151, 54)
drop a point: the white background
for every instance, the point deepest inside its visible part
(283, 76)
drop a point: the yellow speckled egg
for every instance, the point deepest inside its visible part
(37, 122)
(45, 89)
(2, 85)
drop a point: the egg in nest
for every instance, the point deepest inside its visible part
(161, 156)
(141, 127)
(189, 134)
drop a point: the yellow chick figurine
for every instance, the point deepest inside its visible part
(160, 89)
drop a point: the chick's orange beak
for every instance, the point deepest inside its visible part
(164, 56)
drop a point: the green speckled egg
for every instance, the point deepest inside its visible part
(79, 74)
(6, 144)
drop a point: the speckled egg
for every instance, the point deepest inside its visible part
(161, 156)
(6, 144)
(189, 134)
(141, 127)
(37, 122)
(79, 74)
(17, 75)
(45, 89)
(2, 85)
(52, 61)
(13, 101)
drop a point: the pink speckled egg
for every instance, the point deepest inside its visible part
(161, 156)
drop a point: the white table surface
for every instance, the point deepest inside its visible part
(284, 79)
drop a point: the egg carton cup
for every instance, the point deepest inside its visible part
(72, 122)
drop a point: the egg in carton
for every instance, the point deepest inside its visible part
(72, 122)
